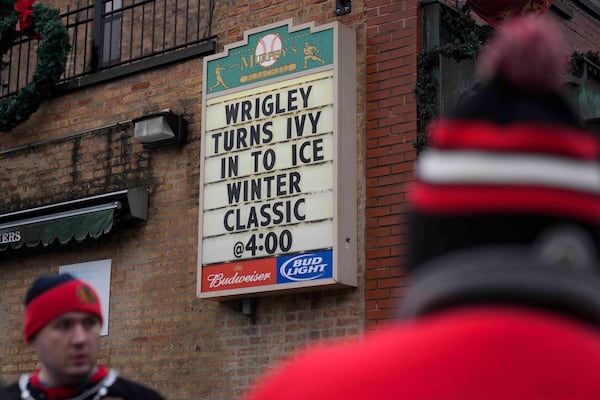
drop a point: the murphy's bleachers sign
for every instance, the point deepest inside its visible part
(278, 174)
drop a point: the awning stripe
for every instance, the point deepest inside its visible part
(64, 226)
(59, 215)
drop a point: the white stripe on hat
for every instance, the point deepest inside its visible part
(473, 167)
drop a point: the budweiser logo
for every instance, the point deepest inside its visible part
(220, 279)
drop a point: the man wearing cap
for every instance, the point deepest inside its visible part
(62, 323)
(503, 257)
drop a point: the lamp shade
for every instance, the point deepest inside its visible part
(160, 129)
(153, 129)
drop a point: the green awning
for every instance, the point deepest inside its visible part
(77, 224)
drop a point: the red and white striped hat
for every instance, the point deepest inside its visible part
(511, 165)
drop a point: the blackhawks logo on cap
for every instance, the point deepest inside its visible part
(85, 294)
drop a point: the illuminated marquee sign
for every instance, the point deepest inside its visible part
(278, 175)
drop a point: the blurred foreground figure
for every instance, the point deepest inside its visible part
(63, 320)
(504, 300)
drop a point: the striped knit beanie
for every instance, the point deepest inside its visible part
(53, 295)
(511, 165)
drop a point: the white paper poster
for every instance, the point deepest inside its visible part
(97, 274)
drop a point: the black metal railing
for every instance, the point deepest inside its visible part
(110, 38)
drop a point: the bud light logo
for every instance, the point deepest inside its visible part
(304, 267)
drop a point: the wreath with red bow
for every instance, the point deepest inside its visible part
(44, 24)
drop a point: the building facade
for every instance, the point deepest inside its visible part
(87, 196)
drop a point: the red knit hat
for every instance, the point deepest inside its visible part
(52, 296)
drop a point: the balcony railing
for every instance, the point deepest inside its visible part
(112, 38)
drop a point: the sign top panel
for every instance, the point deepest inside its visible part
(272, 53)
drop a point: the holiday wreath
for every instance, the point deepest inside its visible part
(44, 24)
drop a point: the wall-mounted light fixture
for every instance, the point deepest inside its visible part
(343, 7)
(160, 129)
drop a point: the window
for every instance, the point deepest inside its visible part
(111, 40)
(584, 92)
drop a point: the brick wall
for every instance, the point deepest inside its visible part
(159, 332)
(580, 30)
(392, 46)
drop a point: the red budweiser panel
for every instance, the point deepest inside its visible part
(236, 275)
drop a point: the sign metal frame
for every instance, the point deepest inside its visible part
(282, 63)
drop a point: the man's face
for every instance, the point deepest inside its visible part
(68, 348)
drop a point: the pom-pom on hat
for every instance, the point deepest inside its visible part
(53, 295)
(529, 52)
(511, 165)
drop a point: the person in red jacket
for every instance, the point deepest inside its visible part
(504, 232)
(62, 323)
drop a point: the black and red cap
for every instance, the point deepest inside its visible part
(53, 295)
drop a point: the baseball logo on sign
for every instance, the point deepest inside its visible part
(268, 50)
